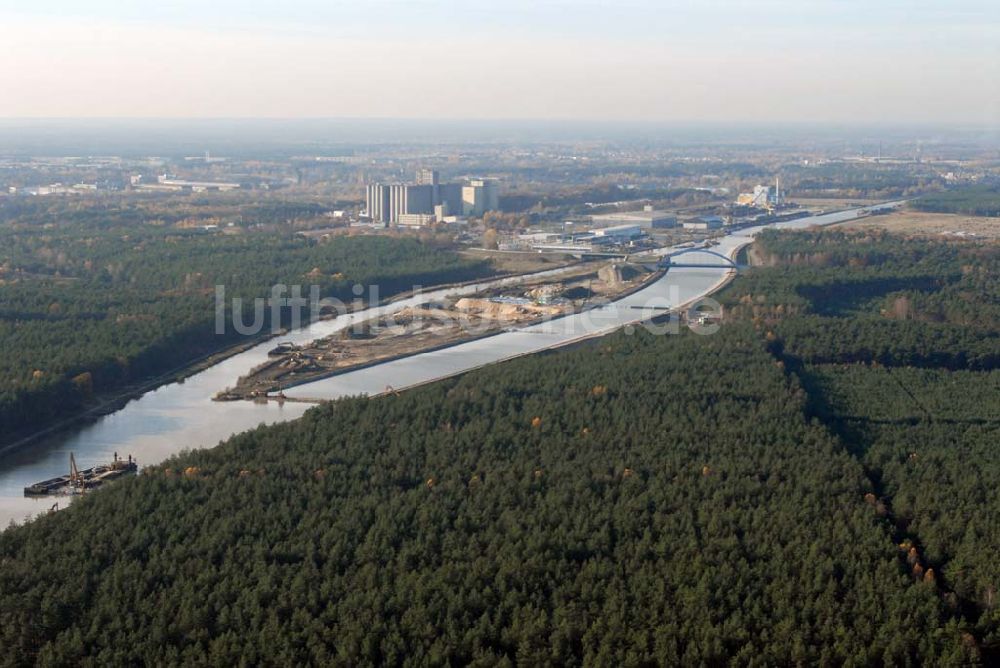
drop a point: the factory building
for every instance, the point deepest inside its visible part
(762, 197)
(704, 223)
(415, 219)
(414, 199)
(478, 197)
(646, 219)
(170, 182)
(428, 177)
(450, 196)
(618, 232)
(377, 202)
(388, 202)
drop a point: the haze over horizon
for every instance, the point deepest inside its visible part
(716, 61)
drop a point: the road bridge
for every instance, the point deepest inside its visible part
(670, 261)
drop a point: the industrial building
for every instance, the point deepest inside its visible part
(647, 219)
(450, 197)
(167, 182)
(538, 237)
(704, 223)
(618, 232)
(389, 202)
(415, 219)
(478, 197)
(762, 197)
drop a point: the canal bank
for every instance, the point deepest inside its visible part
(180, 416)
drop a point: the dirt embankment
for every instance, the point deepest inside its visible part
(434, 325)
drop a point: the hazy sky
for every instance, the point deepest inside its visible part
(672, 60)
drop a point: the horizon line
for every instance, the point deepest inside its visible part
(513, 119)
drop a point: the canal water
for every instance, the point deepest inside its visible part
(182, 415)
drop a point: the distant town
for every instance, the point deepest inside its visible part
(568, 197)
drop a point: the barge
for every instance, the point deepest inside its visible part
(78, 481)
(282, 349)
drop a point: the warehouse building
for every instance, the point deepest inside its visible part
(647, 219)
(703, 223)
(619, 232)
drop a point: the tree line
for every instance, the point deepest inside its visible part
(89, 308)
(638, 500)
(978, 200)
(641, 500)
(897, 342)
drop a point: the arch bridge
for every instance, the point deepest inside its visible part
(670, 261)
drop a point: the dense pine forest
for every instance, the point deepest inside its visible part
(897, 343)
(980, 200)
(93, 300)
(816, 484)
(643, 500)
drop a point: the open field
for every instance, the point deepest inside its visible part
(931, 224)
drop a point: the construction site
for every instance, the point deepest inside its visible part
(439, 324)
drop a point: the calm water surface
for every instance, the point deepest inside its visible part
(182, 415)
